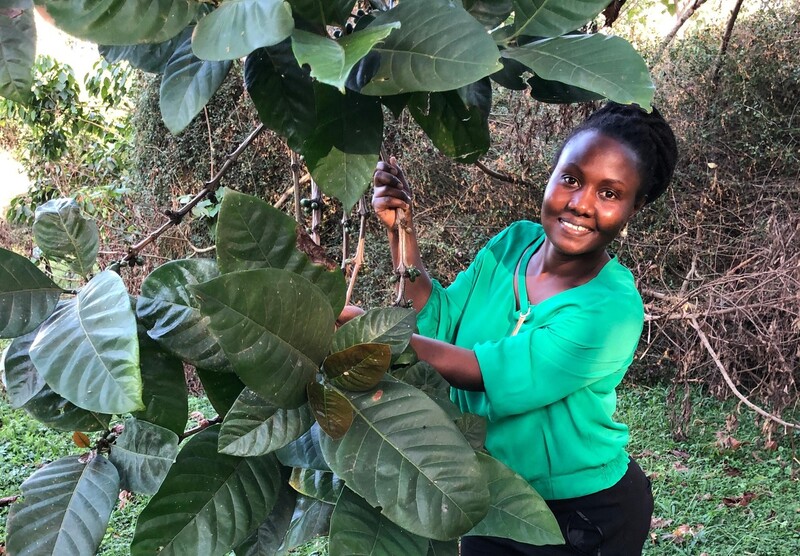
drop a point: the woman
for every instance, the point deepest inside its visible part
(537, 333)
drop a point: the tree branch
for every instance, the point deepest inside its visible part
(8, 500)
(683, 18)
(199, 428)
(508, 178)
(724, 46)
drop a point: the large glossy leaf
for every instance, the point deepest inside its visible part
(274, 326)
(187, 86)
(17, 51)
(322, 485)
(252, 234)
(551, 18)
(331, 60)
(311, 519)
(442, 548)
(282, 92)
(392, 326)
(172, 317)
(598, 63)
(63, 233)
(87, 350)
(305, 451)
(457, 123)
(342, 152)
(238, 27)
(112, 21)
(269, 536)
(151, 58)
(254, 426)
(331, 409)
(433, 488)
(473, 427)
(65, 508)
(489, 12)
(358, 529)
(439, 47)
(222, 389)
(516, 510)
(423, 376)
(164, 393)
(193, 511)
(57, 413)
(27, 295)
(358, 368)
(558, 92)
(324, 12)
(20, 378)
(143, 454)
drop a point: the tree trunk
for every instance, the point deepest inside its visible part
(724, 46)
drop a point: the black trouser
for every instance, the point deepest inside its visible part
(612, 522)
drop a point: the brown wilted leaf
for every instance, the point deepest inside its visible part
(726, 441)
(81, 440)
(743, 500)
(770, 445)
(679, 454)
(678, 466)
(659, 522)
(124, 497)
(732, 471)
(682, 533)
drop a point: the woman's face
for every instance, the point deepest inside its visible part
(591, 194)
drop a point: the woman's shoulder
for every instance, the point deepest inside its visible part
(518, 232)
(615, 287)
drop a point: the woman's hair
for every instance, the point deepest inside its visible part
(648, 134)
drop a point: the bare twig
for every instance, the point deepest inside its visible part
(316, 213)
(724, 45)
(508, 178)
(704, 339)
(284, 197)
(210, 140)
(200, 428)
(682, 18)
(8, 500)
(295, 166)
(358, 260)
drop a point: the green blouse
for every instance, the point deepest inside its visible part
(549, 390)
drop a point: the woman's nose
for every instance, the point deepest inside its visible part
(580, 201)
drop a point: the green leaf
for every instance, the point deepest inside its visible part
(164, 393)
(439, 47)
(559, 93)
(305, 451)
(65, 508)
(342, 152)
(516, 511)
(62, 233)
(423, 376)
(473, 427)
(269, 536)
(253, 234)
(331, 60)
(20, 378)
(27, 295)
(17, 52)
(490, 13)
(282, 92)
(358, 368)
(392, 326)
(432, 489)
(222, 389)
(187, 86)
(112, 21)
(322, 485)
(358, 529)
(87, 350)
(172, 317)
(458, 128)
(511, 76)
(193, 511)
(57, 413)
(254, 426)
(324, 12)
(311, 519)
(143, 454)
(274, 326)
(598, 63)
(238, 27)
(551, 18)
(331, 409)
(442, 548)
(151, 58)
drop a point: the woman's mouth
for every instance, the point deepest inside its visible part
(573, 227)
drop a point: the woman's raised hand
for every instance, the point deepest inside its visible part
(391, 192)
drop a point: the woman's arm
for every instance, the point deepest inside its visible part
(457, 365)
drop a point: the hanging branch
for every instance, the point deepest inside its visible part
(316, 211)
(724, 46)
(683, 18)
(694, 324)
(200, 428)
(295, 166)
(508, 178)
(358, 260)
(403, 270)
(175, 217)
(8, 500)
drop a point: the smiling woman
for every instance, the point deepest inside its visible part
(538, 332)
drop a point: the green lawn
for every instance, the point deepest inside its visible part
(709, 498)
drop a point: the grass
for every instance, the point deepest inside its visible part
(710, 499)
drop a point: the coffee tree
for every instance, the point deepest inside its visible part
(321, 430)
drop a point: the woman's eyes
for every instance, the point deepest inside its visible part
(608, 194)
(569, 180)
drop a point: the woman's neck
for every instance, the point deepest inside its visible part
(572, 270)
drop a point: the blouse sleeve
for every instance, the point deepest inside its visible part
(540, 366)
